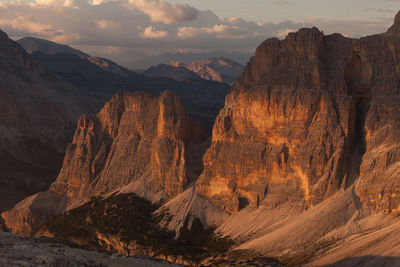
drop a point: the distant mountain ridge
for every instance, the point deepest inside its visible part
(102, 78)
(218, 69)
(179, 73)
(240, 57)
(32, 44)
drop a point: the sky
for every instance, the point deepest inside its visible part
(120, 29)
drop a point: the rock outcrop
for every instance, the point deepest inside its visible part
(310, 115)
(136, 140)
(136, 143)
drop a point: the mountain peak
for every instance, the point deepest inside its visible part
(395, 29)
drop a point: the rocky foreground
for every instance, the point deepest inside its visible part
(19, 251)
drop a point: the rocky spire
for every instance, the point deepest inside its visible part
(395, 29)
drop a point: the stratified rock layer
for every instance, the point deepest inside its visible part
(310, 114)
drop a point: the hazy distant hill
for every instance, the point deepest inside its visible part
(31, 44)
(214, 69)
(146, 63)
(178, 73)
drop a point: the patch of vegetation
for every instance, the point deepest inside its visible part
(132, 219)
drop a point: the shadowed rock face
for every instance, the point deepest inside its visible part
(37, 114)
(310, 115)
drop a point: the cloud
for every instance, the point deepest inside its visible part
(25, 23)
(105, 24)
(379, 10)
(151, 33)
(352, 28)
(161, 11)
(110, 29)
(284, 32)
(186, 32)
(28, 24)
(218, 31)
(64, 3)
(100, 2)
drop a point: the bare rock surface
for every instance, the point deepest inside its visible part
(134, 138)
(304, 155)
(19, 251)
(137, 143)
(310, 115)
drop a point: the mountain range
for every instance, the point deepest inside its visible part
(301, 167)
(186, 58)
(217, 69)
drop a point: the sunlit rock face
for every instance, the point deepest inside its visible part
(310, 114)
(137, 143)
(136, 140)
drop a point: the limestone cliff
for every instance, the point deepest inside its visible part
(299, 120)
(136, 140)
(137, 143)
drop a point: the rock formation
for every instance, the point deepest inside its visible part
(136, 143)
(137, 139)
(304, 157)
(299, 120)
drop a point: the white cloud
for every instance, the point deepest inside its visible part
(161, 11)
(105, 24)
(186, 32)
(219, 31)
(25, 23)
(151, 33)
(28, 24)
(100, 2)
(64, 3)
